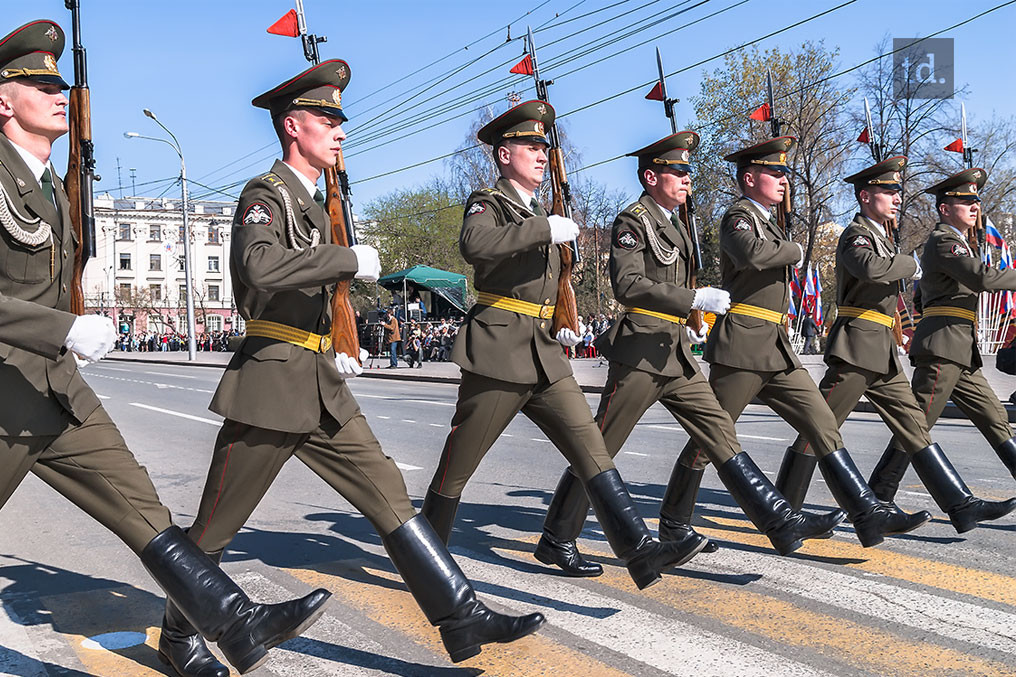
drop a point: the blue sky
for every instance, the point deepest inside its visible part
(197, 65)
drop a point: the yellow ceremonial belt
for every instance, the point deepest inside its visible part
(283, 332)
(865, 314)
(662, 316)
(514, 305)
(950, 311)
(760, 313)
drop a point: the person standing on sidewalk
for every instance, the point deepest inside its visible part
(391, 325)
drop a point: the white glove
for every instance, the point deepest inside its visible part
(920, 271)
(700, 337)
(91, 337)
(711, 300)
(368, 265)
(800, 255)
(80, 362)
(562, 229)
(568, 338)
(347, 366)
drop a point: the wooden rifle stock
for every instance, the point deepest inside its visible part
(344, 333)
(80, 124)
(566, 312)
(694, 321)
(892, 233)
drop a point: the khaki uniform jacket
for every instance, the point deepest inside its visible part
(754, 267)
(641, 280)
(272, 384)
(511, 254)
(953, 276)
(41, 391)
(867, 274)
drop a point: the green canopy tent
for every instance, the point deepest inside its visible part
(446, 287)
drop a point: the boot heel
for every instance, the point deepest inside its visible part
(252, 660)
(462, 653)
(869, 536)
(643, 573)
(784, 547)
(163, 658)
(542, 555)
(962, 525)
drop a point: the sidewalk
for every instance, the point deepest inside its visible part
(590, 373)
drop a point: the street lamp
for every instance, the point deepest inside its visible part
(175, 145)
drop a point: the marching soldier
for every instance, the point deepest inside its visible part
(652, 260)
(749, 351)
(284, 269)
(51, 423)
(511, 361)
(947, 362)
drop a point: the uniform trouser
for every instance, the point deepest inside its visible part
(792, 394)
(247, 459)
(629, 392)
(91, 465)
(485, 408)
(936, 382)
(890, 395)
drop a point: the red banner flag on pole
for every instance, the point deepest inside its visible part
(656, 93)
(762, 113)
(287, 25)
(524, 67)
(864, 137)
(956, 146)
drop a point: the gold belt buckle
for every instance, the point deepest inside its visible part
(326, 343)
(546, 312)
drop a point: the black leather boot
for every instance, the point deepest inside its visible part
(952, 495)
(440, 512)
(565, 517)
(679, 505)
(446, 596)
(627, 533)
(795, 475)
(872, 518)
(1007, 452)
(218, 608)
(183, 648)
(768, 510)
(888, 473)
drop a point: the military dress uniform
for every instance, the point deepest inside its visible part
(652, 262)
(51, 423)
(947, 362)
(282, 395)
(750, 354)
(511, 362)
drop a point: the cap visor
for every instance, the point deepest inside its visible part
(330, 112)
(51, 80)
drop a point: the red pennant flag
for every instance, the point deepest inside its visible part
(956, 146)
(762, 113)
(524, 67)
(287, 25)
(864, 138)
(656, 94)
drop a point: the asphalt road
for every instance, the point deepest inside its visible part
(76, 602)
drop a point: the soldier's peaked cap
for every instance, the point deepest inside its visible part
(887, 174)
(671, 151)
(32, 52)
(967, 183)
(772, 154)
(317, 88)
(526, 122)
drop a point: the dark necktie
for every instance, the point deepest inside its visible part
(535, 206)
(47, 185)
(319, 198)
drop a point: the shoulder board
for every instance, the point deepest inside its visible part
(637, 209)
(272, 178)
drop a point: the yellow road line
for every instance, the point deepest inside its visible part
(787, 624)
(396, 608)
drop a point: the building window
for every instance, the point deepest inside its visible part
(180, 237)
(156, 290)
(213, 292)
(183, 293)
(180, 264)
(213, 322)
(125, 293)
(213, 264)
(213, 235)
(154, 234)
(155, 261)
(125, 261)
(123, 231)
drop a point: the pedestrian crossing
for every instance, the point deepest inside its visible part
(832, 609)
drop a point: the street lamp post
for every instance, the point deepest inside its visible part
(175, 145)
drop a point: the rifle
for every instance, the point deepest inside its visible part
(80, 162)
(686, 212)
(775, 124)
(976, 239)
(566, 313)
(892, 230)
(338, 202)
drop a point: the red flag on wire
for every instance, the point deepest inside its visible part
(287, 25)
(524, 67)
(864, 137)
(956, 146)
(762, 113)
(656, 94)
